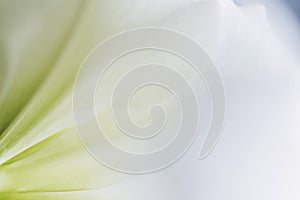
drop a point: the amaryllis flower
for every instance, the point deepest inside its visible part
(254, 45)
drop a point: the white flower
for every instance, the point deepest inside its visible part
(42, 45)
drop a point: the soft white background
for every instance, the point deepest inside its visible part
(256, 48)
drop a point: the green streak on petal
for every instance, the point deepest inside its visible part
(31, 50)
(58, 163)
(40, 154)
